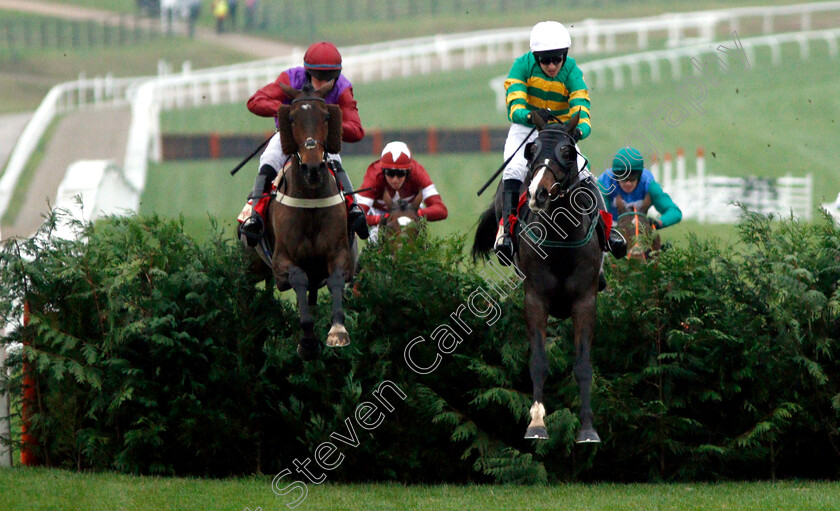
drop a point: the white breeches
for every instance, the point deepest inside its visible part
(517, 168)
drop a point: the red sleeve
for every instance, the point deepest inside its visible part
(351, 124)
(377, 186)
(435, 208)
(268, 99)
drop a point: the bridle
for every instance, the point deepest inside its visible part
(555, 165)
(635, 214)
(309, 144)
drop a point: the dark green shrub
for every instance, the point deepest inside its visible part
(152, 353)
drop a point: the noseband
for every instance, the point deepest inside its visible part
(311, 144)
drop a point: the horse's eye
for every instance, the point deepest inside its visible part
(565, 155)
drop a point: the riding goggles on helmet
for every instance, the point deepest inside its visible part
(551, 57)
(395, 172)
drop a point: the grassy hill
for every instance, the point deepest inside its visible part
(766, 121)
(383, 20)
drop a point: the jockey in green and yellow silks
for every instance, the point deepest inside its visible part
(544, 82)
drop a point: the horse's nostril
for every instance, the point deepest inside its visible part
(542, 195)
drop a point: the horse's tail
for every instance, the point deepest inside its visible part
(485, 233)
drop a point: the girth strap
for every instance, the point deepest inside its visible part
(295, 202)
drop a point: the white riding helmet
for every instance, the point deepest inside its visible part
(549, 35)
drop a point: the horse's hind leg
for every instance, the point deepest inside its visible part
(536, 317)
(583, 319)
(338, 335)
(309, 348)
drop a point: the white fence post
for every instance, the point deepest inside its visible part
(701, 185)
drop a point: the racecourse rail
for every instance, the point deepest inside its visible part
(148, 95)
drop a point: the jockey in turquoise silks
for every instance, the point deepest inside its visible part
(629, 180)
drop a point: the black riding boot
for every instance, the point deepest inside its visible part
(617, 245)
(356, 219)
(510, 198)
(254, 227)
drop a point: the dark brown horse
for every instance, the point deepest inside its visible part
(306, 222)
(642, 240)
(559, 256)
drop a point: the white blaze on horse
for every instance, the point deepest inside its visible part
(306, 222)
(560, 259)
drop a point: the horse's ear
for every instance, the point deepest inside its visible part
(573, 122)
(284, 126)
(417, 201)
(292, 93)
(333, 144)
(646, 203)
(325, 89)
(387, 200)
(620, 205)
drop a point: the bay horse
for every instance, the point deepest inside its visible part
(306, 221)
(401, 213)
(559, 257)
(643, 241)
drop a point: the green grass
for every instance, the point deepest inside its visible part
(194, 189)
(382, 20)
(36, 489)
(28, 74)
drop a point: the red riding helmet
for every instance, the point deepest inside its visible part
(323, 61)
(395, 155)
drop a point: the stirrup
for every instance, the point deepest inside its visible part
(617, 246)
(503, 247)
(253, 229)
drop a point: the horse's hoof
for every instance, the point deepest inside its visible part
(338, 337)
(309, 349)
(588, 436)
(536, 433)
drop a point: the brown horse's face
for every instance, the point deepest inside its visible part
(309, 125)
(309, 129)
(553, 158)
(401, 212)
(633, 225)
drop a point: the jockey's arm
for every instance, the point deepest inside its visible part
(373, 188)
(268, 99)
(351, 123)
(435, 209)
(671, 213)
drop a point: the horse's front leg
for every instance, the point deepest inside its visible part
(536, 317)
(583, 320)
(339, 275)
(308, 347)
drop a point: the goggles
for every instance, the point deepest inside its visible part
(550, 59)
(395, 172)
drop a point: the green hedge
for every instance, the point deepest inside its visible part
(155, 354)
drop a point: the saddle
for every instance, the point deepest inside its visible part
(264, 250)
(605, 223)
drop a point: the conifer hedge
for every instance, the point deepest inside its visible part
(153, 353)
